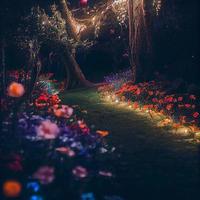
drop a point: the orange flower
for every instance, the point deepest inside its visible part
(12, 188)
(102, 133)
(16, 90)
(145, 107)
(135, 105)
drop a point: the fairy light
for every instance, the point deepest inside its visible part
(116, 100)
(160, 119)
(157, 4)
(97, 14)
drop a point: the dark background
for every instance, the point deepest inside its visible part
(175, 40)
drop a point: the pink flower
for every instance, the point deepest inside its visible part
(16, 90)
(187, 105)
(47, 130)
(83, 126)
(66, 150)
(65, 111)
(80, 172)
(105, 173)
(45, 175)
(193, 97)
(196, 114)
(180, 98)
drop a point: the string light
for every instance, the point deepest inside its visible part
(160, 119)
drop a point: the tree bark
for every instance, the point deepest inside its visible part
(70, 59)
(139, 38)
(67, 16)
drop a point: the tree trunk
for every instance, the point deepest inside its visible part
(70, 59)
(139, 38)
(67, 16)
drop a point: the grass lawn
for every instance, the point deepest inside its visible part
(150, 163)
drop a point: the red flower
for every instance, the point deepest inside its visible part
(150, 93)
(192, 97)
(187, 105)
(196, 114)
(180, 98)
(183, 119)
(80, 172)
(135, 105)
(138, 91)
(154, 100)
(169, 106)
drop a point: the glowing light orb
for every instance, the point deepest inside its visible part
(83, 2)
(12, 188)
(16, 89)
(36, 197)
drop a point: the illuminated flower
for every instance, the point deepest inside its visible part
(193, 106)
(180, 98)
(65, 111)
(183, 119)
(187, 105)
(15, 166)
(105, 173)
(135, 105)
(42, 101)
(102, 133)
(169, 99)
(45, 175)
(138, 91)
(154, 100)
(169, 107)
(83, 2)
(66, 150)
(16, 90)
(47, 130)
(193, 97)
(83, 126)
(196, 115)
(80, 172)
(150, 93)
(54, 99)
(12, 188)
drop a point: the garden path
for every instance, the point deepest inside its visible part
(150, 162)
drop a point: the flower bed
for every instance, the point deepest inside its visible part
(51, 140)
(181, 112)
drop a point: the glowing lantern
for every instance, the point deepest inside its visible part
(12, 189)
(83, 2)
(16, 90)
